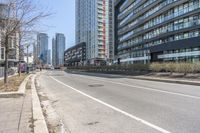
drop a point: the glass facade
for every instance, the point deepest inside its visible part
(60, 49)
(146, 30)
(53, 52)
(42, 42)
(76, 55)
(94, 25)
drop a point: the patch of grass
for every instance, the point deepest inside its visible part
(13, 83)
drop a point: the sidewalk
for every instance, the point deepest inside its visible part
(168, 80)
(16, 114)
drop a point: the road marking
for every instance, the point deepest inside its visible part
(141, 87)
(116, 109)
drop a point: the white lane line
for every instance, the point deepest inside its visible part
(116, 109)
(141, 87)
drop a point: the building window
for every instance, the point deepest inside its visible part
(2, 53)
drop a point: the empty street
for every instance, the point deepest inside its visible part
(115, 104)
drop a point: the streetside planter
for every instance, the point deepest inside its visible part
(20, 92)
(168, 67)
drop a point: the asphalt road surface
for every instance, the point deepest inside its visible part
(115, 104)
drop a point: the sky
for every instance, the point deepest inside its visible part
(62, 20)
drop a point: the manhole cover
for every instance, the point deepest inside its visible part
(93, 123)
(96, 85)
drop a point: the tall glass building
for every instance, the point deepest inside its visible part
(42, 42)
(157, 30)
(53, 52)
(94, 26)
(60, 49)
(49, 57)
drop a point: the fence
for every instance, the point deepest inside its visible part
(11, 71)
(1, 71)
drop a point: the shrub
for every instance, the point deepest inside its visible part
(196, 67)
(171, 67)
(156, 67)
(184, 68)
(140, 67)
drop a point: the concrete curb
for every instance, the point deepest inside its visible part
(176, 81)
(20, 92)
(40, 125)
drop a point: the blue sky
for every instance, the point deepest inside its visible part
(62, 20)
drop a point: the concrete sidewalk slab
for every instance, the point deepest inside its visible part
(16, 114)
(167, 80)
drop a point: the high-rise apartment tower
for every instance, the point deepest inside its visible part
(157, 30)
(94, 26)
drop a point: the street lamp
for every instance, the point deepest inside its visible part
(25, 39)
(27, 56)
(27, 45)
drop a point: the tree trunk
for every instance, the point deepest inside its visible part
(19, 69)
(19, 63)
(6, 67)
(6, 61)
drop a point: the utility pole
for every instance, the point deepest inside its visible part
(27, 70)
(27, 53)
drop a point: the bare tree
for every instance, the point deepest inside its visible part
(25, 38)
(18, 18)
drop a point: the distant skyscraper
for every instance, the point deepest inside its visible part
(42, 40)
(35, 53)
(49, 57)
(54, 52)
(60, 49)
(94, 25)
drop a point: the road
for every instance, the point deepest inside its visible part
(116, 104)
